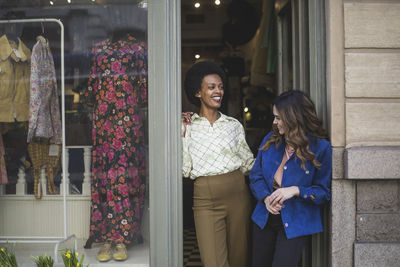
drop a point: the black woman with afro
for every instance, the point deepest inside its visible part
(216, 156)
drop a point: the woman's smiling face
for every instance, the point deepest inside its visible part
(278, 121)
(211, 91)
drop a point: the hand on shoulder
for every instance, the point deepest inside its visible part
(186, 120)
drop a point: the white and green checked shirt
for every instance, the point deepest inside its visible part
(213, 150)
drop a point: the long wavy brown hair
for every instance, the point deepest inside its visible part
(300, 120)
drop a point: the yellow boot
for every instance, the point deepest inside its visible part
(105, 252)
(120, 252)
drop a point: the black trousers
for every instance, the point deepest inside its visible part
(271, 248)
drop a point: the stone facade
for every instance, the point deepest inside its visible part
(381, 254)
(363, 83)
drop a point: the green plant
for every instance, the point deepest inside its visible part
(43, 261)
(7, 258)
(71, 258)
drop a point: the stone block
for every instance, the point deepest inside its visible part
(376, 254)
(372, 163)
(337, 163)
(372, 25)
(342, 228)
(372, 74)
(378, 228)
(372, 121)
(377, 196)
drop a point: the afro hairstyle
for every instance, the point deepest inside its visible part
(195, 75)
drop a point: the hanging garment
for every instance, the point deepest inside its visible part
(14, 80)
(43, 156)
(117, 89)
(44, 117)
(264, 57)
(3, 169)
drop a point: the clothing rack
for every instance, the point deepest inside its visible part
(46, 239)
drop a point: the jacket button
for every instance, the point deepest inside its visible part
(286, 224)
(307, 171)
(262, 162)
(285, 167)
(305, 196)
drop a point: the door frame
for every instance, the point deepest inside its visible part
(165, 175)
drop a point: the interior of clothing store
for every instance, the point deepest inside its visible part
(240, 36)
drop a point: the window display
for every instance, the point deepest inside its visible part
(95, 125)
(117, 88)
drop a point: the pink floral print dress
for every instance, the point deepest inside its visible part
(118, 89)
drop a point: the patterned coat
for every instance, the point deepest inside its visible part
(44, 116)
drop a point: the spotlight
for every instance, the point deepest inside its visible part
(197, 5)
(143, 4)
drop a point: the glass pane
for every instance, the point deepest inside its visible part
(74, 96)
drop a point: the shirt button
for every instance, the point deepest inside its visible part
(286, 224)
(285, 167)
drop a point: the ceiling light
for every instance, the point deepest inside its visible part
(142, 4)
(51, 3)
(246, 109)
(197, 5)
(197, 56)
(69, 1)
(217, 2)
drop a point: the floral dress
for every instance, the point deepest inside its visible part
(117, 90)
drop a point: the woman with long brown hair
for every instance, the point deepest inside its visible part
(290, 179)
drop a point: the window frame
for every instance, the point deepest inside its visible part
(165, 175)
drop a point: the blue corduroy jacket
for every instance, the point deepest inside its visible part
(301, 215)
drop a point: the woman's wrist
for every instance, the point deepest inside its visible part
(296, 191)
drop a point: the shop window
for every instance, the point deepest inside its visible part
(73, 123)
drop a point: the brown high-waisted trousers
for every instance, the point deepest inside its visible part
(221, 206)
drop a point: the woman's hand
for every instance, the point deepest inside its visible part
(272, 208)
(282, 194)
(186, 120)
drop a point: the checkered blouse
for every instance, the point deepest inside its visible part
(213, 150)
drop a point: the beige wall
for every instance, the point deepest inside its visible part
(372, 72)
(364, 72)
(363, 83)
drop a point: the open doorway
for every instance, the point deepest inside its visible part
(265, 47)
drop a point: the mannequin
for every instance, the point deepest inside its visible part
(117, 89)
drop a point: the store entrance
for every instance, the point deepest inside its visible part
(264, 47)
